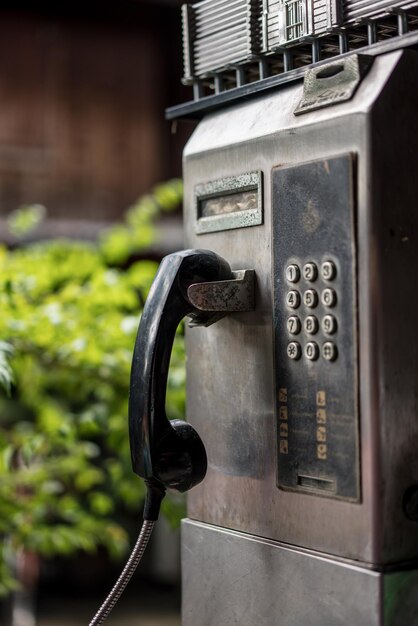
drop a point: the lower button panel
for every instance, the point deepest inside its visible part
(316, 329)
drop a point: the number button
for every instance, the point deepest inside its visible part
(293, 299)
(292, 273)
(312, 351)
(293, 325)
(310, 272)
(310, 298)
(328, 270)
(294, 350)
(329, 325)
(329, 297)
(329, 351)
(311, 325)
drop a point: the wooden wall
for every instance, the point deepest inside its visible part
(82, 100)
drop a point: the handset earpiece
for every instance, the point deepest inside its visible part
(166, 454)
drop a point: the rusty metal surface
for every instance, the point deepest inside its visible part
(225, 295)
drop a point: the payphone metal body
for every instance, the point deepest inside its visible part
(303, 516)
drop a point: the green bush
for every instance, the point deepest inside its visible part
(69, 316)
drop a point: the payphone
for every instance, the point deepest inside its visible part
(305, 398)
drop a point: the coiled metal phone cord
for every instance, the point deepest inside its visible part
(124, 578)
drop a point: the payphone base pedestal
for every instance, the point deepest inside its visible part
(243, 579)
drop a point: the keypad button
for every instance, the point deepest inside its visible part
(292, 273)
(329, 351)
(310, 272)
(311, 325)
(328, 270)
(312, 351)
(310, 298)
(329, 297)
(294, 325)
(329, 325)
(293, 299)
(294, 351)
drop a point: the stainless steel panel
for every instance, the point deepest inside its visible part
(231, 393)
(231, 578)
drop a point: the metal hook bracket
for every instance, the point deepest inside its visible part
(213, 300)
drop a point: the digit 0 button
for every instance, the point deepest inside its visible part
(292, 273)
(329, 297)
(293, 299)
(312, 351)
(328, 270)
(310, 272)
(294, 350)
(293, 325)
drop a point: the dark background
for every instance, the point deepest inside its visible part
(83, 88)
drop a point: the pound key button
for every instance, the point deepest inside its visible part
(329, 351)
(294, 350)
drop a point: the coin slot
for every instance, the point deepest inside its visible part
(312, 482)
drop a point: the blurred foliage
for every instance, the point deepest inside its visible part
(69, 316)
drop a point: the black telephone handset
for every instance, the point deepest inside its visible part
(166, 454)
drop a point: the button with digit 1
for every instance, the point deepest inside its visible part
(292, 273)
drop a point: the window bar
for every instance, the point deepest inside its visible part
(263, 68)
(371, 32)
(343, 41)
(402, 22)
(240, 76)
(287, 60)
(197, 90)
(219, 83)
(316, 50)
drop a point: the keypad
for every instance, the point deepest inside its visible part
(313, 310)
